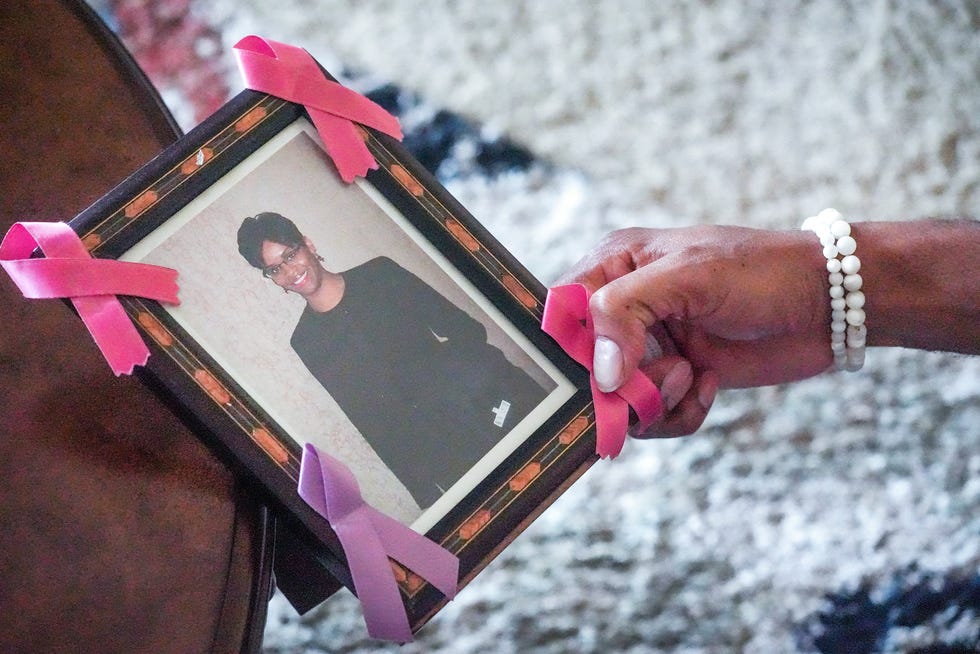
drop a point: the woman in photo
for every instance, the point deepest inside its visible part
(411, 370)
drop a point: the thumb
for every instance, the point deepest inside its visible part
(622, 319)
(608, 364)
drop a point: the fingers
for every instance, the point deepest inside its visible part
(614, 257)
(607, 365)
(608, 362)
(623, 319)
(689, 414)
(687, 399)
(676, 383)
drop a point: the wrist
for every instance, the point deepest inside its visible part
(848, 332)
(921, 285)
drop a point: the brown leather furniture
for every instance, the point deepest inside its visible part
(119, 530)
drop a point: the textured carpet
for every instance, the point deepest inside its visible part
(837, 515)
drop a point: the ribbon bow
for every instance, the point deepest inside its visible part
(290, 73)
(369, 537)
(69, 271)
(567, 320)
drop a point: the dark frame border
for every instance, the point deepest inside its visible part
(504, 503)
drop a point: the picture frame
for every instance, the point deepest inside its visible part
(226, 357)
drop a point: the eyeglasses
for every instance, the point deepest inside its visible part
(276, 271)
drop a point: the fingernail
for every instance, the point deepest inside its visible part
(707, 392)
(607, 364)
(676, 384)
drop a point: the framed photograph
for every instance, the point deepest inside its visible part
(377, 320)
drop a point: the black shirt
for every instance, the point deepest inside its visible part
(414, 374)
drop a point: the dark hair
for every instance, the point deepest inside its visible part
(265, 226)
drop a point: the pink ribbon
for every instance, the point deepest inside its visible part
(69, 271)
(567, 320)
(369, 537)
(290, 73)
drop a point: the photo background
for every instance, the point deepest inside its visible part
(245, 321)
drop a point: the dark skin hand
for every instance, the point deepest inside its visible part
(733, 307)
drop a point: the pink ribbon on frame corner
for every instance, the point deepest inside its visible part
(68, 270)
(567, 320)
(368, 538)
(292, 74)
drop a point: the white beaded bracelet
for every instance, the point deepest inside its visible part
(848, 333)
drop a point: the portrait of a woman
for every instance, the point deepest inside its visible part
(412, 371)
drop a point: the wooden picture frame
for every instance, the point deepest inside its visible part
(224, 355)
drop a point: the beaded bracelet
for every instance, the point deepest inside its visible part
(848, 333)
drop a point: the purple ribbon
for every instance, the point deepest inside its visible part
(368, 538)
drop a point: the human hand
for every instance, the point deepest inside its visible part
(727, 307)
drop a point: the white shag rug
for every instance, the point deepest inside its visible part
(675, 113)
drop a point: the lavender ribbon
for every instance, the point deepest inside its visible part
(368, 538)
